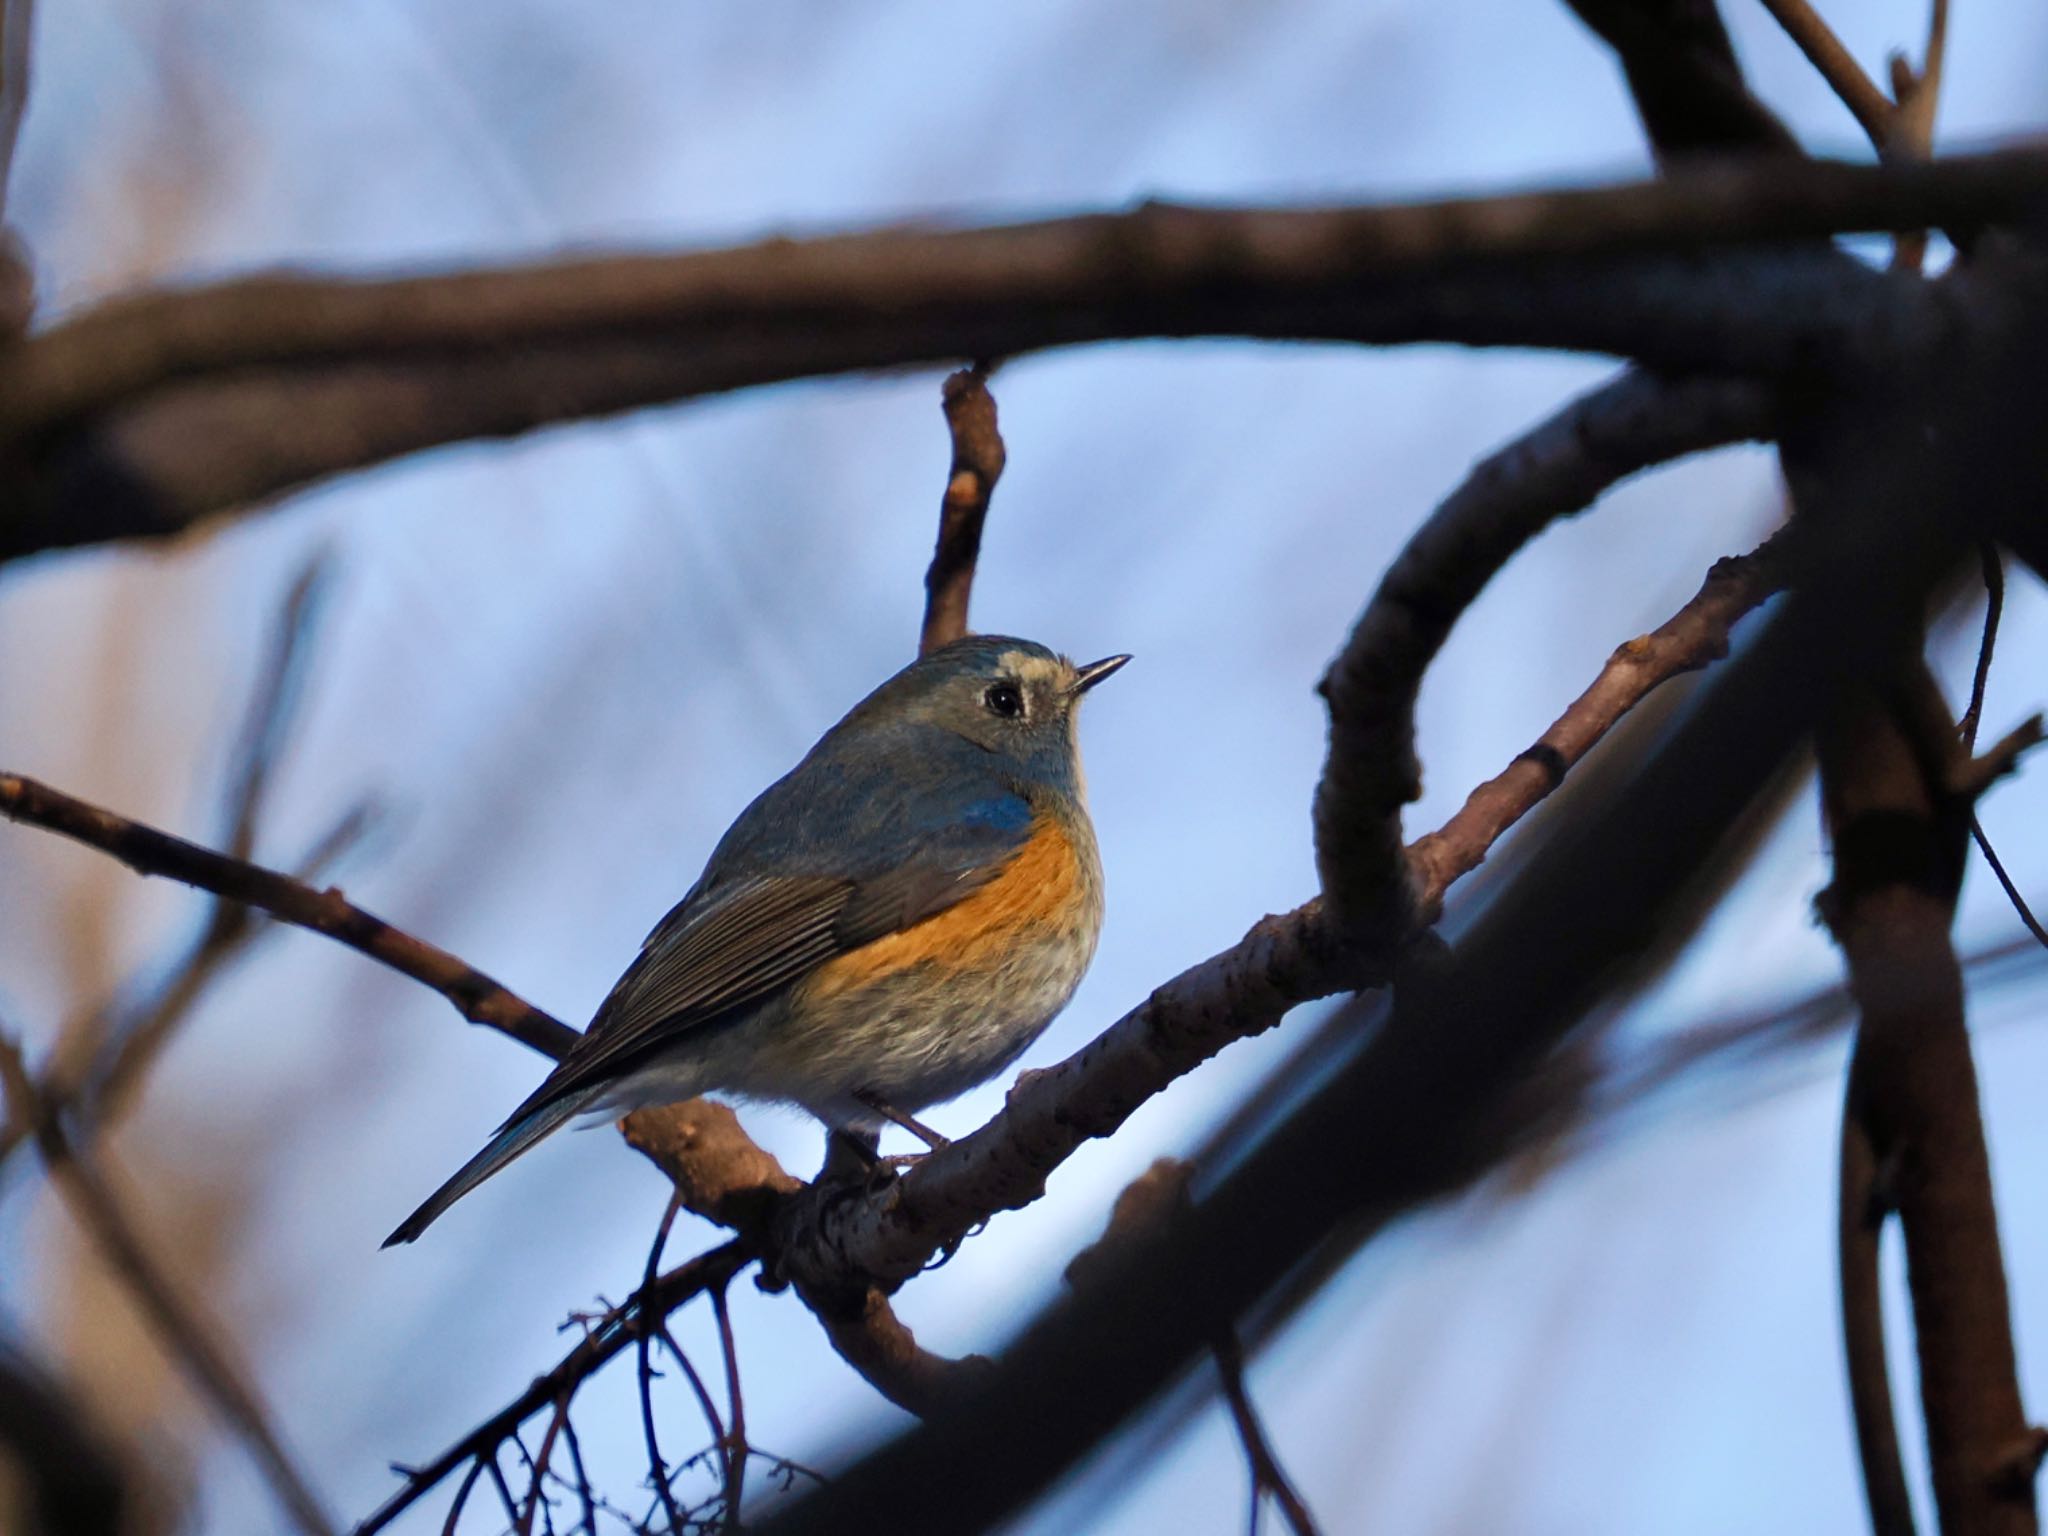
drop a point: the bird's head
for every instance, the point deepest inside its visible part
(1011, 697)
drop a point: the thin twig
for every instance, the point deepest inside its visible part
(536, 1494)
(190, 1338)
(614, 1332)
(1918, 94)
(1267, 1475)
(657, 1467)
(2012, 891)
(978, 458)
(497, 1475)
(463, 1490)
(1994, 607)
(1859, 93)
(480, 999)
(1697, 634)
(135, 1037)
(1861, 1208)
(735, 1447)
(584, 1494)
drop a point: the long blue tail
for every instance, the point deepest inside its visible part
(515, 1138)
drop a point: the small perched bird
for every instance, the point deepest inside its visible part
(888, 925)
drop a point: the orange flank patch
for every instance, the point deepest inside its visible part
(1039, 887)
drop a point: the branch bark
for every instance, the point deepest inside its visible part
(978, 458)
(1682, 73)
(1556, 470)
(145, 415)
(1913, 1137)
(478, 997)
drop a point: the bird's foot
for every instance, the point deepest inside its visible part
(895, 1116)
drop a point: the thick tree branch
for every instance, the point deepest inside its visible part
(1682, 72)
(978, 457)
(141, 417)
(1913, 1137)
(1560, 468)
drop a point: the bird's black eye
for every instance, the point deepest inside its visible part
(1004, 699)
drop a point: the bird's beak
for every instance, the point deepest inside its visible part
(1087, 677)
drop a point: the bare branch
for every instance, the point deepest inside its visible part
(1268, 1476)
(1683, 75)
(480, 999)
(2006, 883)
(1913, 1110)
(1918, 94)
(140, 417)
(723, 1175)
(1557, 469)
(657, 1465)
(1873, 109)
(617, 1330)
(67, 1480)
(1694, 636)
(978, 458)
(187, 1336)
(17, 283)
(1862, 1205)
(1993, 566)
(733, 1450)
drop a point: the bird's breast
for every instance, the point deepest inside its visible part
(1047, 895)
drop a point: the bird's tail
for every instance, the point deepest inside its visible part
(516, 1137)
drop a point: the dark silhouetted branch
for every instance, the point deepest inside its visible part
(1268, 1477)
(1980, 676)
(978, 457)
(1683, 74)
(1913, 1140)
(186, 1335)
(142, 416)
(1560, 468)
(1863, 1202)
(65, 1480)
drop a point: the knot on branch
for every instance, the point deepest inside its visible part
(2013, 1472)
(1147, 1207)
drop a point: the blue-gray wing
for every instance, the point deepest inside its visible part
(737, 939)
